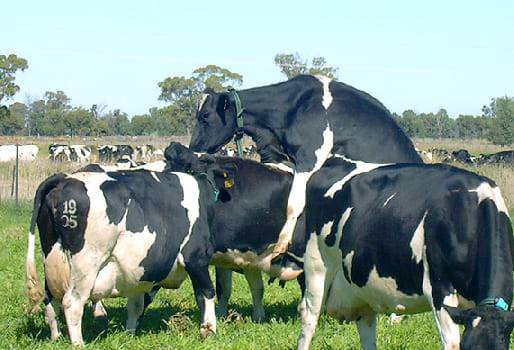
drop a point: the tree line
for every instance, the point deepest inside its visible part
(53, 114)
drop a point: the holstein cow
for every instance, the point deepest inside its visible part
(26, 153)
(504, 157)
(108, 153)
(248, 225)
(70, 153)
(122, 234)
(463, 156)
(408, 238)
(310, 116)
(144, 152)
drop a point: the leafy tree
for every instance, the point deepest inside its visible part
(13, 121)
(501, 112)
(117, 122)
(292, 65)
(142, 125)
(9, 65)
(36, 117)
(471, 127)
(184, 93)
(79, 121)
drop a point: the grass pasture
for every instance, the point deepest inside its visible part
(172, 321)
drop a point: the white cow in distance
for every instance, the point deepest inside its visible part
(26, 153)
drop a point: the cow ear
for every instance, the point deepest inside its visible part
(225, 176)
(459, 316)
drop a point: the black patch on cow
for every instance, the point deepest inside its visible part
(59, 199)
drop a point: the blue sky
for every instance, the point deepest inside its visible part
(422, 55)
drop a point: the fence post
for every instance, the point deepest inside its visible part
(17, 172)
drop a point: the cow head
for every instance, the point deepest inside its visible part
(486, 327)
(215, 123)
(182, 159)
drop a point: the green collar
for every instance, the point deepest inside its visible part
(210, 180)
(239, 120)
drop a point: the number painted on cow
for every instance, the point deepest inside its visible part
(69, 217)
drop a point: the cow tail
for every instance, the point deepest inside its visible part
(34, 290)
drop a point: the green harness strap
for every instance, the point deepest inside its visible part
(239, 121)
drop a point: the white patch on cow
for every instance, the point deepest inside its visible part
(191, 201)
(485, 191)
(57, 271)
(157, 166)
(51, 318)
(360, 167)
(202, 101)
(388, 199)
(418, 241)
(280, 166)
(30, 251)
(312, 301)
(327, 96)
(296, 199)
(348, 259)
(326, 228)
(155, 176)
(476, 321)
(208, 325)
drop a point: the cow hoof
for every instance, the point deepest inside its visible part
(207, 330)
(258, 317)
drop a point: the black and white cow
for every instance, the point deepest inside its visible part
(69, 153)
(109, 153)
(408, 238)
(144, 152)
(463, 156)
(310, 116)
(504, 157)
(121, 234)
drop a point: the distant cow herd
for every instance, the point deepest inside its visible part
(364, 231)
(463, 156)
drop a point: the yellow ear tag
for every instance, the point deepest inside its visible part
(229, 183)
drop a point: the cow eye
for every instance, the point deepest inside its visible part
(204, 115)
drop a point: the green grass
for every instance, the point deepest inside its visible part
(280, 331)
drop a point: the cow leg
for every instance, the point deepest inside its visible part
(205, 295)
(84, 269)
(223, 289)
(52, 308)
(296, 199)
(135, 309)
(311, 303)
(254, 279)
(448, 330)
(367, 327)
(434, 287)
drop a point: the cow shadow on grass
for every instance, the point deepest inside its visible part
(156, 319)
